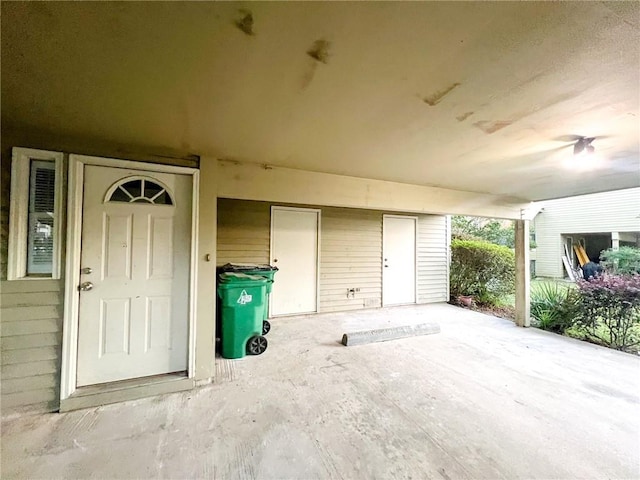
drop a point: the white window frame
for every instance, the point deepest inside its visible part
(19, 212)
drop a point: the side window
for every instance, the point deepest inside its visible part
(35, 214)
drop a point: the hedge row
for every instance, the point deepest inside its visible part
(481, 269)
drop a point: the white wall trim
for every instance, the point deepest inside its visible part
(19, 212)
(72, 268)
(72, 279)
(415, 257)
(193, 279)
(318, 249)
(448, 243)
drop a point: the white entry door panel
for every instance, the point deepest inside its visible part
(399, 260)
(294, 250)
(136, 248)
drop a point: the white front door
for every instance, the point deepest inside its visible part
(294, 250)
(399, 260)
(135, 260)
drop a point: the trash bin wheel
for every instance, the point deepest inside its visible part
(256, 345)
(266, 326)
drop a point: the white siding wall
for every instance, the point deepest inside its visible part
(350, 251)
(617, 211)
(433, 255)
(350, 257)
(30, 335)
(243, 232)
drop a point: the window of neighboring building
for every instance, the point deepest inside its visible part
(35, 215)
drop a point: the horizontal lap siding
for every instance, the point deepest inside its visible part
(549, 252)
(432, 259)
(243, 232)
(350, 251)
(350, 257)
(4, 229)
(30, 340)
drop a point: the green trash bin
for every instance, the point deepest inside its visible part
(266, 271)
(242, 304)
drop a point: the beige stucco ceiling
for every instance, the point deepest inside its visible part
(471, 96)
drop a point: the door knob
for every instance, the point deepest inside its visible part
(86, 270)
(86, 286)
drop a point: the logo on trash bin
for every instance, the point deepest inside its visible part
(244, 298)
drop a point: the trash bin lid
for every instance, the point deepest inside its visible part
(243, 267)
(235, 277)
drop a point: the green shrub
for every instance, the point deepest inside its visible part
(491, 230)
(610, 311)
(605, 310)
(554, 307)
(483, 270)
(623, 261)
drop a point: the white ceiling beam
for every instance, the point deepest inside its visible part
(247, 181)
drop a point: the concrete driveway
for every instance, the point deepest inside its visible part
(482, 399)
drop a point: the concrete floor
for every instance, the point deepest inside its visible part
(482, 399)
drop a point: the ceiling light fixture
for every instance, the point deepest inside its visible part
(584, 157)
(583, 145)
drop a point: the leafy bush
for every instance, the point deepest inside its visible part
(610, 310)
(623, 261)
(482, 270)
(491, 230)
(554, 307)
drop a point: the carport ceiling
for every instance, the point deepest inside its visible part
(484, 97)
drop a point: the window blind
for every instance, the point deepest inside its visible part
(42, 184)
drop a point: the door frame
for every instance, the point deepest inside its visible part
(415, 259)
(318, 213)
(70, 322)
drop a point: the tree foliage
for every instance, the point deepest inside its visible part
(481, 269)
(623, 261)
(488, 229)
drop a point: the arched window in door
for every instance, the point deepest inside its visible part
(139, 190)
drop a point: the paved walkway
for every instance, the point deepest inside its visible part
(482, 399)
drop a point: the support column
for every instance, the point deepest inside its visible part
(615, 240)
(205, 331)
(523, 273)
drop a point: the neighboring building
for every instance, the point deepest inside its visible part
(598, 221)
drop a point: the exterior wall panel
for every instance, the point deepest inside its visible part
(350, 257)
(243, 232)
(432, 259)
(350, 252)
(30, 336)
(617, 211)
